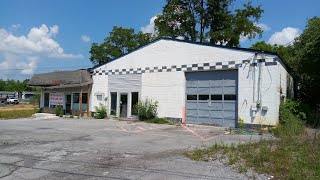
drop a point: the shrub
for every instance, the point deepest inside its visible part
(240, 122)
(101, 111)
(292, 119)
(146, 109)
(58, 109)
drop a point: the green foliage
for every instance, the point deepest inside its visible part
(14, 114)
(159, 121)
(240, 122)
(14, 85)
(292, 117)
(307, 56)
(212, 20)
(284, 158)
(101, 111)
(58, 109)
(146, 109)
(119, 42)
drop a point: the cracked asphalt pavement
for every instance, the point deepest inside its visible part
(108, 149)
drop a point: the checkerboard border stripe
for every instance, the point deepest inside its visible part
(186, 67)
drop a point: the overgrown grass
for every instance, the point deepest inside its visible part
(292, 154)
(159, 121)
(14, 114)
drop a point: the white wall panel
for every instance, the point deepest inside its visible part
(168, 89)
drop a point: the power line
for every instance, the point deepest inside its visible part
(20, 69)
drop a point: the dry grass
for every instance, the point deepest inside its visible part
(14, 114)
(19, 107)
(289, 157)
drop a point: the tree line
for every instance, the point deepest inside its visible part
(14, 85)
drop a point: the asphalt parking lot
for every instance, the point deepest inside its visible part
(108, 149)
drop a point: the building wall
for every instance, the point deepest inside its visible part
(168, 88)
(64, 91)
(99, 87)
(248, 94)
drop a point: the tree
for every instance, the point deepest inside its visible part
(306, 53)
(285, 52)
(120, 41)
(210, 21)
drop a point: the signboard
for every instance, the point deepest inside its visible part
(56, 98)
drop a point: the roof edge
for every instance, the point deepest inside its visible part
(189, 42)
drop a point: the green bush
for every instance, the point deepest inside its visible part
(240, 122)
(101, 111)
(146, 109)
(292, 119)
(58, 110)
(159, 121)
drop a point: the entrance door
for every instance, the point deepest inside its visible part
(68, 103)
(123, 105)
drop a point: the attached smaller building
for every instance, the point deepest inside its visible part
(70, 89)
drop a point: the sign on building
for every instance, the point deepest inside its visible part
(56, 98)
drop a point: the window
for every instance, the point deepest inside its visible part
(192, 97)
(134, 101)
(204, 97)
(76, 97)
(113, 109)
(230, 97)
(99, 97)
(216, 97)
(46, 100)
(84, 98)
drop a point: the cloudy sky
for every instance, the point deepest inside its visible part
(42, 36)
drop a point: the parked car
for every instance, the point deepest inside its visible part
(12, 100)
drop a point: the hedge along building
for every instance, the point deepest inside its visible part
(195, 83)
(69, 89)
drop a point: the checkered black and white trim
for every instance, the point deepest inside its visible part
(186, 67)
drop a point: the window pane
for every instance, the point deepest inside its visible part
(216, 97)
(99, 97)
(76, 97)
(84, 98)
(204, 97)
(191, 97)
(46, 99)
(134, 101)
(113, 109)
(230, 97)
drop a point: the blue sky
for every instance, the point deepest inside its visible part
(42, 36)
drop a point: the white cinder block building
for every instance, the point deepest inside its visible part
(195, 83)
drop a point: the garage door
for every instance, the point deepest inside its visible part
(212, 97)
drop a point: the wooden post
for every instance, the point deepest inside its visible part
(80, 101)
(88, 100)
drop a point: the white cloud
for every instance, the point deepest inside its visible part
(263, 26)
(85, 38)
(284, 37)
(150, 27)
(14, 27)
(24, 52)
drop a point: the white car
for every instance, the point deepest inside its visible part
(12, 100)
